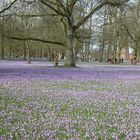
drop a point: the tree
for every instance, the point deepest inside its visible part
(132, 27)
(65, 9)
(2, 26)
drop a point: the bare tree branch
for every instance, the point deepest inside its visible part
(8, 7)
(48, 4)
(106, 2)
(73, 2)
(30, 15)
(60, 3)
(128, 32)
(35, 39)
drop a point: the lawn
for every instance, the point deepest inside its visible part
(39, 102)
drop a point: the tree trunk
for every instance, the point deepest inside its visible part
(29, 52)
(103, 37)
(87, 52)
(2, 47)
(109, 47)
(56, 59)
(138, 55)
(50, 54)
(10, 50)
(70, 59)
(101, 52)
(108, 52)
(24, 52)
(41, 52)
(115, 36)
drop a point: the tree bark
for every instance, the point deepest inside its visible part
(103, 37)
(10, 50)
(24, 52)
(29, 52)
(2, 47)
(70, 59)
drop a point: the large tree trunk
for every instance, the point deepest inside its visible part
(109, 47)
(115, 36)
(70, 59)
(102, 48)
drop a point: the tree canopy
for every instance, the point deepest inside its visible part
(71, 28)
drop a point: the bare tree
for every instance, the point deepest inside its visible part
(65, 9)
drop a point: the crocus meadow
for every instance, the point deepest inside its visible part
(90, 102)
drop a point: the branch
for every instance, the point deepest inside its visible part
(52, 8)
(106, 2)
(90, 14)
(128, 32)
(36, 15)
(35, 39)
(73, 2)
(60, 3)
(6, 8)
(29, 16)
(117, 3)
